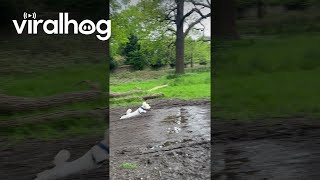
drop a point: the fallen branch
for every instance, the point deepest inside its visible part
(117, 94)
(14, 104)
(152, 96)
(158, 87)
(130, 98)
(98, 114)
(142, 98)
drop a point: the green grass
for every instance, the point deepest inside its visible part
(40, 66)
(267, 76)
(194, 85)
(60, 129)
(148, 74)
(54, 82)
(128, 166)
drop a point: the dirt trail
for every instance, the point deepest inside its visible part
(24, 160)
(172, 141)
(286, 149)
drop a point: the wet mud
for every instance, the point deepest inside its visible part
(284, 149)
(171, 141)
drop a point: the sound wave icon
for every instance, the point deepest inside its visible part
(27, 15)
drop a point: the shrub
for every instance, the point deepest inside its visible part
(203, 62)
(113, 64)
(133, 54)
(296, 4)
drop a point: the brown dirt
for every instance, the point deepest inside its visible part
(286, 149)
(276, 148)
(171, 141)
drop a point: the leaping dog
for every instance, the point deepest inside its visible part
(142, 109)
(93, 159)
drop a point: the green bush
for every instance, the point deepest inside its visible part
(203, 62)
(135, 58)
(132, 53)
(157, 65)
(296, 4)
(113, 64)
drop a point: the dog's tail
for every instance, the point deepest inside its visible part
(129, 111)
(61, 157)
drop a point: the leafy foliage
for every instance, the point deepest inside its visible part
(132, 53)
(113, 63)
(296, 4)
(197, 51)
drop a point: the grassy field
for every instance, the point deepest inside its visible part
(195, 84)
(53, 83)
(267, 76)
(36, 67)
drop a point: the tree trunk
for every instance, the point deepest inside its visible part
(179, 38)
(191, 60)
(260, 9)
(224, 19)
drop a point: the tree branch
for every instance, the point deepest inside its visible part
(188, 14)
(195, 22)
(170, 18)
(170, 29)
(172, 10)
(209, 2)
(200, 4)
(171, 43)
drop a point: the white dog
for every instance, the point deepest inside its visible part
(142, 109)
(93, 159)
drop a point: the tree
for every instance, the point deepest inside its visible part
(175, 14)
(224, 19)
(197, 51)
(260, 9)
(133, 54)
(154, 20)
(141, 19)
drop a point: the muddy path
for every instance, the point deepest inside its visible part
(286, 149)
(171, 141)
(24, 160)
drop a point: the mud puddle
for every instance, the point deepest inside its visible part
(164, 143)
(179, 125)
(286, 150)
